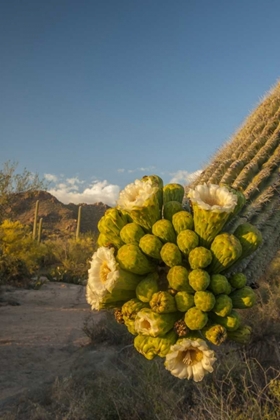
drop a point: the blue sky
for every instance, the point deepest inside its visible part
(97, 93)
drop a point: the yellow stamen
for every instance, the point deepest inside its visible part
(145, 324)
(192, 356)
(104, 271)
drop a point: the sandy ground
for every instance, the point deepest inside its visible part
(41, 334)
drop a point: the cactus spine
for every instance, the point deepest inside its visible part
(34, 234)
(79, 222)
(250, 162)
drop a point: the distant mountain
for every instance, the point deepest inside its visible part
(58, 218)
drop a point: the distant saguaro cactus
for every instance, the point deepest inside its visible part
(79, 222)
(40, 230)
(249, 162)
(34, 234)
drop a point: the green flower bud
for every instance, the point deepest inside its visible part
(204, 300)
(226, 249)
(131, 233)
(173, 192)
(200, 257)
(223, 305)
(231, 321)
(171, 208)
(187, 240)
(147, 287)
(109, 240)
(151, 245)
(182, 220)
(238, 280)
(163, 303)
(219, 284)
(242, 335)
(250, 238)
(184, 301)
(195, 319)
(243, 298)
(171, 255)
(129, 312)
(164, 230)
(131, 258)
(177, 278)
(150, 347)
(199, 279)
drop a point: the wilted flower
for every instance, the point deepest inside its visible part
(190, 358)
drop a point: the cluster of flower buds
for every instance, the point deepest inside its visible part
(165, 271)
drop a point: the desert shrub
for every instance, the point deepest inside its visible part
(71, 258)
(20, 254)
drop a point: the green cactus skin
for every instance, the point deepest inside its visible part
(164, 230)
(215, 333)
(182, 220)
(151, 245)
(187, 240)
(178, 279)
(171, 255)
(170, 208)
(148, 322)
(243, 298)
(184, 301)
(131, 233)
(173, 192)
(200, 257)
(204, 300)
(231, 321)
(242, 335)
(34, 234)
(219, 284)
(223, 305)
(250, 162)
(150, 347)
(147, 287)
(163, 303)
(195, 319)
(131, 258)
(226, 249)
(78, 229)
(237, 280)
(199, 279)
(129, 312)
(249, 237)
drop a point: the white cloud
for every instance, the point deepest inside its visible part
(184, 177)
(69, 191)
(148, 170)
(121, 170)
(51, 177)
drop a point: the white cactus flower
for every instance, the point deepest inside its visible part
(213, 197)
(135, 194)
(94, 299)
(190, 359)
(103, 273)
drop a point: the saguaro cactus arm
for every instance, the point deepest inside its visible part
(250, 162)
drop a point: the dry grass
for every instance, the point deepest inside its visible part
(111, 381)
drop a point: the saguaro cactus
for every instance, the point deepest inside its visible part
(249, 162)
(34, 234)
(79, 222)
(40, 230)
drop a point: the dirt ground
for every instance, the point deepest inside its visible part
(41, 335)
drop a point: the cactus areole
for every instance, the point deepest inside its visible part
(164, 270)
